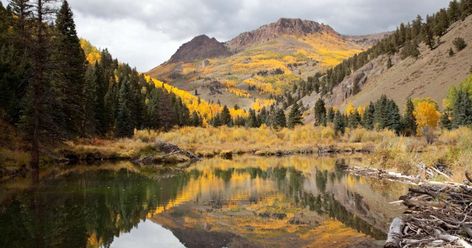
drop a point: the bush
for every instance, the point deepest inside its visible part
(459, 43)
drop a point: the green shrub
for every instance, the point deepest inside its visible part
(459, 43)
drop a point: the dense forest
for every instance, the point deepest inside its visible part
(51, 92)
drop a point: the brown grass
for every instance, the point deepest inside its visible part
(402, 154)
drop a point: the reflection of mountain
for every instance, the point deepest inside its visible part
(246, 193)
(250, 202)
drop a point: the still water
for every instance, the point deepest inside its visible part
(292, 202)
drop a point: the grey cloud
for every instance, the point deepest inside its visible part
(164, 24)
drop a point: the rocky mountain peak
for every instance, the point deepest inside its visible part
(284, 26)
(200, 47)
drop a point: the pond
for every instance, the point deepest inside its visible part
(297, 201)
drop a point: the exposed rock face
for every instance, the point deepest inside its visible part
(283, 26)
(200, 47)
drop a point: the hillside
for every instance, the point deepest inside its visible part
(430, 75)
(259, 64)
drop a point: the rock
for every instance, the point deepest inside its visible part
(268, 215)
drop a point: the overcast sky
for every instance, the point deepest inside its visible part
(145, 33)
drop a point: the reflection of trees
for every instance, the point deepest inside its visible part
(327, 204)
(66, 211)
(224, 174)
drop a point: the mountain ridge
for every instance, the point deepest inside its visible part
(204, 47)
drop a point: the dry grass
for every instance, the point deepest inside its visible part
(120, 148)
(242, 140)
(452, 149)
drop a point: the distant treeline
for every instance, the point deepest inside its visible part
(50, 91)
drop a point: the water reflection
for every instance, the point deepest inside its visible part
(247, 202)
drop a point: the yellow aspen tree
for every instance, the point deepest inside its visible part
(426, 114)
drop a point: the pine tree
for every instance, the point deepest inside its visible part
(369, 116)
(409, 121)
(226, 117)
(330, 115)
(153, 109)
(466, 8)
(320, 112)
(462, 110)
(454, 12)
(196, 121)
(90, 99)
(428, 36)
(38, 112)
(416, 27)
(101, 112)
(339, 123)
(73, 65)
(295, 116)
(380, 118)
(354, 119)
(393, 117)
(442, 23)
(252, 119)
(280, 119)
(124, 125)
(23, 10)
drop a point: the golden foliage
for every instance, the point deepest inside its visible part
(239, 92)
(350, 109)
(262, 103)
(92, 54)
(194, 104)
(361, 110)
(426, 114)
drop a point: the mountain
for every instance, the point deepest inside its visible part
(200, 47)
(255, 67)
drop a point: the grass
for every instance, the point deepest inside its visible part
(452, 149)
(118, 148)
(243, 140)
